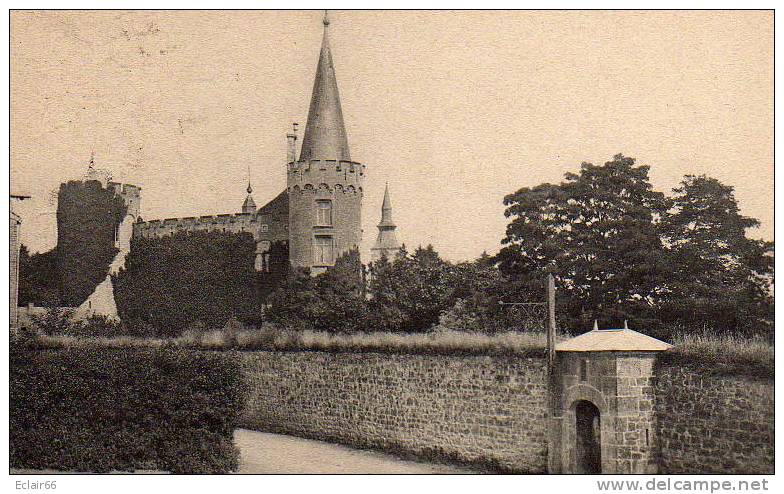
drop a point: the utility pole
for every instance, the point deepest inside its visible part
(551, 322)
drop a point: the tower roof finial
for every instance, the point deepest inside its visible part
(326, 18)
(250, 189)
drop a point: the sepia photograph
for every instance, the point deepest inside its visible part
(353, 242)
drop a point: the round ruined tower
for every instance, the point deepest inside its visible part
(324, 186)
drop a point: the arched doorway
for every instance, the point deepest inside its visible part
(588, 437)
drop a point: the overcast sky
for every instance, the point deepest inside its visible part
(453, 109)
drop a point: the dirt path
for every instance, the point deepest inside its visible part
(274, 453)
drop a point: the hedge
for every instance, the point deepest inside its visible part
(172, 283)
(101, 409)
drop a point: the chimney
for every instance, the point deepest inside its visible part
(291, 138)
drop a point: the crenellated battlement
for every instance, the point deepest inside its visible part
(325, 175)
(236, 222)
(125, 189)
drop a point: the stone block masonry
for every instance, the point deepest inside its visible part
(489, 410)
(655, 417)
(714, 424)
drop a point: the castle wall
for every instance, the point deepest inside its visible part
(714, 424)
(266, 227)
(479, 409)
(338, 181)
(233, 223)
(493, 410)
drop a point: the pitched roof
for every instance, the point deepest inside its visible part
(325, 133)
(280, 204)
(612, 340)
(249, 205)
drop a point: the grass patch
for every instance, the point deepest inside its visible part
(725, 355)
(272, 338)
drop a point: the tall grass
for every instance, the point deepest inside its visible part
(277, 339)
(716, 354)
(724, 354)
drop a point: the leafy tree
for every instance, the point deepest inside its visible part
(620, 250)
(333, 301)
(39, 278)
(719, 276)
(409, 294)
(598, 234)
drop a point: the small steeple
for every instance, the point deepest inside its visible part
(325, 133)
(386, 209)
(386, 242)
(249, 206)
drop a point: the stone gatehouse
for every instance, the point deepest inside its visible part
(603, 415)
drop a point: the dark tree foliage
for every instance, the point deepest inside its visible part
(98, 409)
(409, 293)
(39, 278)
(620, 250)
(87, 217)
(332, 301)
(597, 233)
(172, 282)
(278, 272)
(718, 273)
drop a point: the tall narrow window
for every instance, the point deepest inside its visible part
(323, 250)
(324, 213)
(583, 370)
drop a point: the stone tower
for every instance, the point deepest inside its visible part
(324, 185)
(386, 243)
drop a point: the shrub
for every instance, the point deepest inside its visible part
(54, 321)
(100, 408)
(332, 301)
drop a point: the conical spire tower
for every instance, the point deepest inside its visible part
(386, 242)
(324, 185)
(325, 133)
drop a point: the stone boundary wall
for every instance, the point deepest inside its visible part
(489, 410)
(713, 424)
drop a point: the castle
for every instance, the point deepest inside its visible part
(318, 216)
(308, 225)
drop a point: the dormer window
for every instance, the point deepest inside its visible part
(323, 213)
